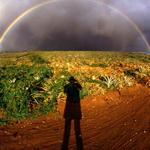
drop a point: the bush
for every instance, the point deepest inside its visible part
(105, 82)
(36, 59)
(84, 92)
(130, 72)
(99, 65)
(18, 86)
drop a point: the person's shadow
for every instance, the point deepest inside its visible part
(72, 112)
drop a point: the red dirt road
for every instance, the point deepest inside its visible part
(118, 120)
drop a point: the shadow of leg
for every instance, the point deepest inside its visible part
(66, 134)
(78, 134)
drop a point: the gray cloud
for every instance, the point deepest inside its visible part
(76, 25)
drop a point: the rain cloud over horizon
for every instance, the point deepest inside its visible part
(75, 25)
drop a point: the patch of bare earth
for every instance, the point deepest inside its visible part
(118, 120)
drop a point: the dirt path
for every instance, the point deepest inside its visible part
(115, 121)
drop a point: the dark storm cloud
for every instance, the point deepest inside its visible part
(82, 25)
(10, 9)
(138, 11)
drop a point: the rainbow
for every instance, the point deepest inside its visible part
(30, 10)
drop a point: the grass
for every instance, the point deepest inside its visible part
(32, 82)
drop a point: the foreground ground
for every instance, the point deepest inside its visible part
(118, 120)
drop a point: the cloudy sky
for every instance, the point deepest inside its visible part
(76, 25)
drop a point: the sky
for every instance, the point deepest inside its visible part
(108, 25)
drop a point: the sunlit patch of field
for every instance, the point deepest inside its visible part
(47, 73)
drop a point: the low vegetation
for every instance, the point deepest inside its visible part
(31, 83)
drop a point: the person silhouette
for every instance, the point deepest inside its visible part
(72, 112)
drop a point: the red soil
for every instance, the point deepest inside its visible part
(118, 120)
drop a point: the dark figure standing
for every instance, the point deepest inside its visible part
(72, 112)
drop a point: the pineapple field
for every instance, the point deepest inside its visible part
(31, 83)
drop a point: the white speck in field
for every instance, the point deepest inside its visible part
(13, 80)
(62, 76)
(36, 78)
(93, 77)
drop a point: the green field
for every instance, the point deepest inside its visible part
(31, 83)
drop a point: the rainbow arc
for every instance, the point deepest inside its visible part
(30, 10)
